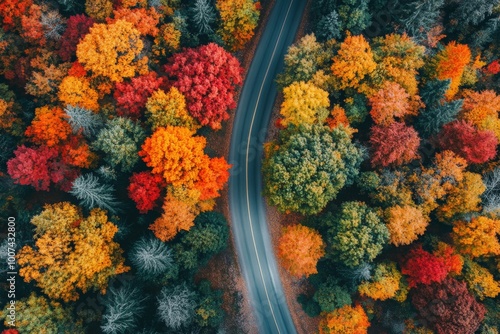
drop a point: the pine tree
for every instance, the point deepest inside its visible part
(329, 26)
(176, 306)
(437, 110)
(151, 257)
(203, 16)
(123, 307)
(419, 16)
(91, 193)
(84, 120)
(473, 11)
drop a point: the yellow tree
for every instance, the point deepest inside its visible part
(71, 252)
(163, 109)
(77, 92)
(353, 62)
(239, 19)
(465, 197)
(348, 319)
(304, 103)
(405, 224)
(112, 51)
(386, 282)
(479, 237)
(480, 281)
(299, 249)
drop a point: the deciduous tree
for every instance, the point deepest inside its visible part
(239, 19)
(405, 224)
(49, 127)
(131, 97)
(389, 103)
(353, 62)
(77, 26)
(474, 145)
(448, 307)
(386, 282)
(393, 145)
(164, 109)
(304, 103)
(356, 235)
(112, 51)
(299, 249)
(480, 281)
(176, 216)
(347, 319)
(207, 77)
(308, 165)
(451, 63)
(422, 267)
(479, 237)
(145, 189)
(77, 92)
(63, 259)
(481, 109)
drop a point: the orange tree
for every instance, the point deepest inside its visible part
(299, 249)
(347, 319)
(49, 127)
(71, 252)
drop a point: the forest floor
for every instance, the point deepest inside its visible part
(276, 220)
(223, 269)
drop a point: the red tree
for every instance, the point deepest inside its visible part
(464, 139)
(423, 267)
(12, 10)
(77, 26)
(39, 167)
(448, 307)
(145, 189)
(393, 145)
(207, 77)
(131, 97)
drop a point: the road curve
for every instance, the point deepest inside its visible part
(249, 225)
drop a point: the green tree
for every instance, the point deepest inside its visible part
(417, 17)
(209, 311)
(331, 296)
(207, 237)
(303, 59)
(308, 165)
(37, 314)
(120, 141)
(356, 235)
(437, 111)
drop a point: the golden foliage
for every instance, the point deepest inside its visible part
(481, 281)
(348, 319)
(479, 237)
(169, 108)
(353, 62)
(77, 91)
(385, 283)
(304, 103)
(112, 50)
(71, 252)
(405, 224)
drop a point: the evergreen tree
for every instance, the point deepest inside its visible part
(152, 258)
(84, 120)
(438, 111)
(473, 11)
(176, 306)
(328, 26)
(203, 16)
(123, 306)
(417, 17)
(91, 193)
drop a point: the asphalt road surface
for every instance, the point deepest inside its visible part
(249, 226)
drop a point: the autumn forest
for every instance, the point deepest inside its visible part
(382, 164)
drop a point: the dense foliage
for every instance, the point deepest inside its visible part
(105, 111)
(409, 217)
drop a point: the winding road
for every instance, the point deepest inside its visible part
(249, 225)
